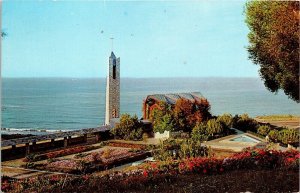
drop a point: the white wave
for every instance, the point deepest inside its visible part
(34, 130)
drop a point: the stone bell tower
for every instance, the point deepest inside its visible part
(112, 89)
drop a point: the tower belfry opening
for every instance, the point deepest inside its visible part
(114, 71)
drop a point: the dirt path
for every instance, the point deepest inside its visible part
(293, 124)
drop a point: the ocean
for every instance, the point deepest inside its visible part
(51, 104)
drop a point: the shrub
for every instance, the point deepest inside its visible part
(273, 135)
(30, 165)
(164, 123)
(30, 157)
(226, 120)
(264, 130)
(199, 132)
(145, 137)
(214, 127)
(289, 136)
(180, 149)
(129, 128)
(285, 136)
(245, 123)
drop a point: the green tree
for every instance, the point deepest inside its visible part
(164, 123)
(226, 120)
(182, 116)
(244, 123)
(274, 43)
(129, 128)
(199, 132)
(214, 127)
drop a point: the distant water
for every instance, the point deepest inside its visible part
(66, 103)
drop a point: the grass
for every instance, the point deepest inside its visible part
(279, 117)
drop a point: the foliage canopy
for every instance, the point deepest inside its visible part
(129, 128)
(184, 115)
(274, 43)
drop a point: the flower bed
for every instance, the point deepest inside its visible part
(69, 166)
(59, 153)
(249, 164)
(107, 156)
(127, 145)
(99, 160)
(249, 159)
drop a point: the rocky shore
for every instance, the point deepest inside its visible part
(14, 136)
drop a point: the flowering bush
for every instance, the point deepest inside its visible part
(249, 159)
(6, 185)
(179, 149)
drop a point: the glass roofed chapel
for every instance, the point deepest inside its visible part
(152, 101)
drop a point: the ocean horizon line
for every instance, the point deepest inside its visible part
(187, 77)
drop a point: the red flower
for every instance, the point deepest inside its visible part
(262, 152)
(191, 165)
(221, 169)
(204, 171)
(290, 160)
(145, 173)
(154, 165)
(85, 177)
(181, 166)
(54, 178)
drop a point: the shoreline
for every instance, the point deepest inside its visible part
(25, 131)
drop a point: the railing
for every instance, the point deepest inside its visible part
(34, 139)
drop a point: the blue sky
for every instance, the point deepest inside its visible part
(153, 39)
